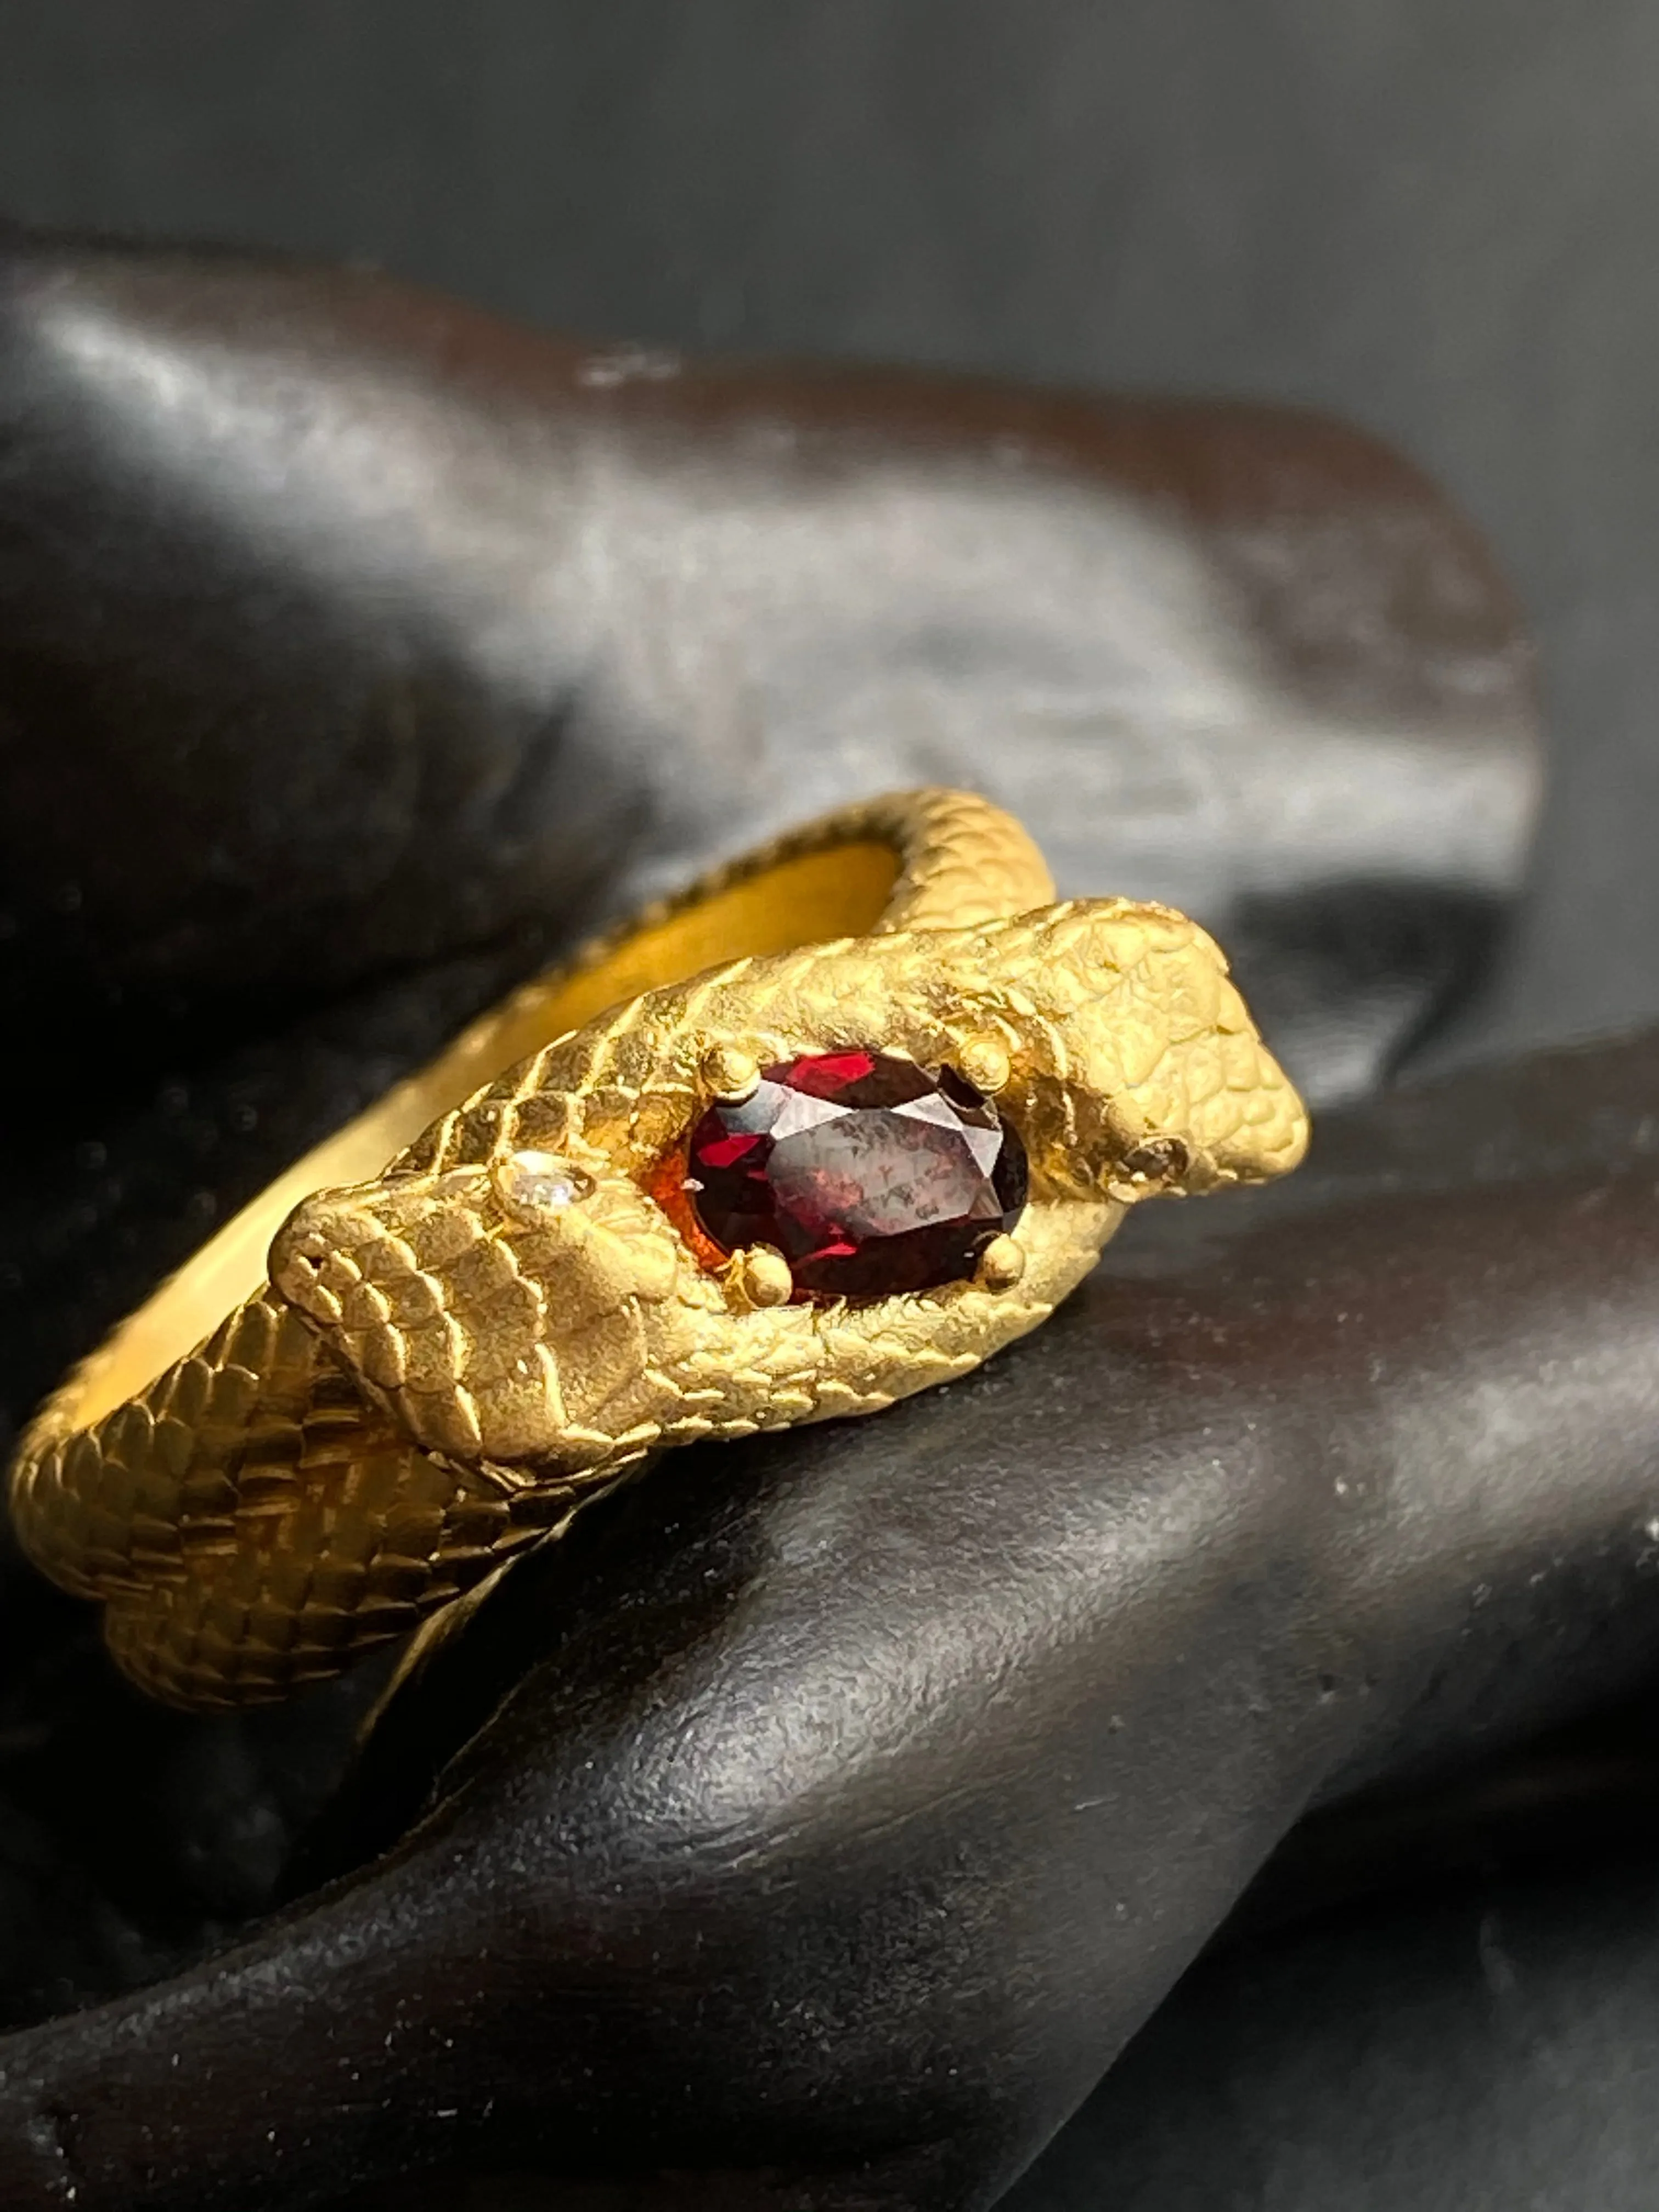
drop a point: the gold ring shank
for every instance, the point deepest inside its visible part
(249, 1523)
(874, 867)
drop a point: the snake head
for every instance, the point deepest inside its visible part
(555, 1313)
(500, 1310)
(1149, 1075)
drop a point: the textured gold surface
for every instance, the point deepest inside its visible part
(456, 1349)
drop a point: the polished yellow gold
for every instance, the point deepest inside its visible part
(1001, 1264)
(985, 1061)
(477, 1313)
(762, 1276)
(729, 1072)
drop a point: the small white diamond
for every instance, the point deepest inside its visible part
(541, 1182)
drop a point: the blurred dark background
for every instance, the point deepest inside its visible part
(1438, 221)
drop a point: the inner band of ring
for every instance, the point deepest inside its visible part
(229, 1593)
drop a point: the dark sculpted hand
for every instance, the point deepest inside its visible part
(811, 1827)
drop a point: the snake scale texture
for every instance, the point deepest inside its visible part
(434, 1377)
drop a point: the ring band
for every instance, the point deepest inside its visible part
(840, 1121)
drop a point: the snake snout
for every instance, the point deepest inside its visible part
(306, 1263)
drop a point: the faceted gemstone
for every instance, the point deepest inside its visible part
(541, 1182)
(869, 1174)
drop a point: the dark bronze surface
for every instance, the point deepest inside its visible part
(818, 1823)
(851, 1800)
(366, 628)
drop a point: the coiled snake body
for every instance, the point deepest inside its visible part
(434, 1374)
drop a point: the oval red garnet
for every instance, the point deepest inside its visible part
(870, 1175)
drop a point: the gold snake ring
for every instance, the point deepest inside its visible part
(839, 1123)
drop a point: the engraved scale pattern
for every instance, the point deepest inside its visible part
(436, 1380)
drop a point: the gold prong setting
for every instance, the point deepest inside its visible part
(983, 1061)
(759, 1276)
(1001, 1264)
(728, 1074)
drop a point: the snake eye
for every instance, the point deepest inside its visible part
(1155, 1161)
(532, 1185)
